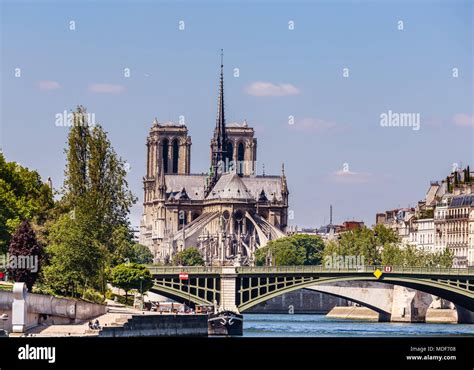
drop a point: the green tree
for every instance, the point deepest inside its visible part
(281, 252)
(92, 216)
(95, 179)
(23, 196)
(75, 258)
(392, 255)
(188, 257)
(128, 276)
(313, 245)
(141, 254)
(126, 249)
(365, 242)
(27, 255)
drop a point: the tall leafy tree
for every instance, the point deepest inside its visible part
(281, 252)
(188, 257)
(98, 201)
(313, 246)
(76, 176)
(75, 257)
(23, 196)
(25, 255)
(128, 276)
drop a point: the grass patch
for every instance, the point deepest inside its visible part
(6, 287)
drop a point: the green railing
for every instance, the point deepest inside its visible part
(156, 270)
(363, 269)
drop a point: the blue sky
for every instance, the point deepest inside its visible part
(283, 73)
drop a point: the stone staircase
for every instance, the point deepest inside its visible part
(116, 321)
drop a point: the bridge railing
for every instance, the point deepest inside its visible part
(362, 269)
(168, 270)
(179, 269)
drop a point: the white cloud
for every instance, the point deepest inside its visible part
(47, 85)
(463, 120)
(106, 88)
(350, 177)
(261, 88)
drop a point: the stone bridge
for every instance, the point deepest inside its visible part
(239, 288)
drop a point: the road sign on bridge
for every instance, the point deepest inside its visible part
(387, 269)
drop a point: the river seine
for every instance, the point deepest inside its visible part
(297, 325)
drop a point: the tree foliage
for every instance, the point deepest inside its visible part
(125, 249)
(410, 256)
(93, 230)
(188, 257)
(382, 246)
(75, 258)
(299, 249)
(23, 246)
(23, 196)
(128, 276)
(364, 242)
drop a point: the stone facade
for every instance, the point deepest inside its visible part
(227, 213)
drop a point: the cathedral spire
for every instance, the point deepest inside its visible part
(219, 146)
(220, 132)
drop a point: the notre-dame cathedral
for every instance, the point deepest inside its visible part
(227, 213)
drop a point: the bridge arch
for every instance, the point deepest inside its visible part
(253, 285)
(444, 290)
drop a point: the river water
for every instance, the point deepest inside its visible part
(298, 325)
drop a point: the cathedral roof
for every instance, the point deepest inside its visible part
(230, 186)
(271, 185)
(195, 184)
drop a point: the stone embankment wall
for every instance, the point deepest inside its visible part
(159, 325)
(44, 308)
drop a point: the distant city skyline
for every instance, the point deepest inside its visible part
(317, 81)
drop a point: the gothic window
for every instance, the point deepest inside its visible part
(230, 151)
(240, 158)
(241, 152)
(165, 155)
(175, 155)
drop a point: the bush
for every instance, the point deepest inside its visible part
(93, 296)
(128, 301)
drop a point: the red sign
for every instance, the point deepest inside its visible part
(2, 275)
(183, 276)
(387, 269)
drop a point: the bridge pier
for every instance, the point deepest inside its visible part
(227, 321)
(409, 305)
(228, 290)
(465, 316)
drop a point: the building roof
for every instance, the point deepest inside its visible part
(272, 186)
(462, 201)
(195, 184)
(230, 186)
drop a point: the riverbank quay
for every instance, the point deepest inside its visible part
(433, 315)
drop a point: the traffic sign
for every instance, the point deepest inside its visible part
(387, 269)
(183, 276)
